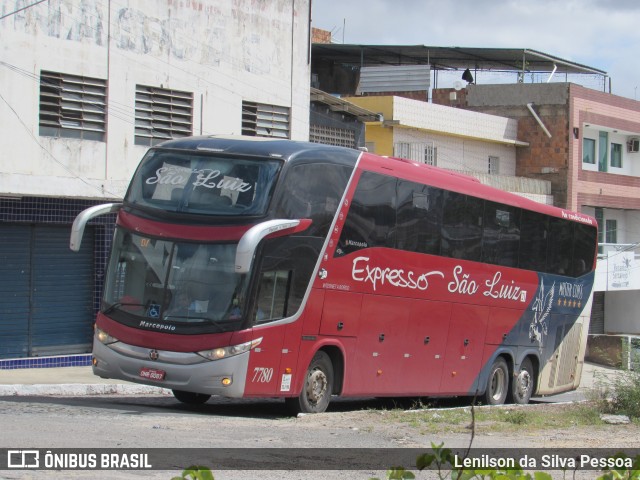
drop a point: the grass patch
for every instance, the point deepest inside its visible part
(502, 419)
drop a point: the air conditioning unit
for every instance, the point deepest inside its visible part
(633, 145)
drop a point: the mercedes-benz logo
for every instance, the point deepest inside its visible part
(154, 355)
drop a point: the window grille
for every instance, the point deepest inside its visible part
(418, 152)
(341, 137)
(494, 165)
(162, 114)
(72, 106)
(261, 120)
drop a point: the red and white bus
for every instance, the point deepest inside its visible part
(273, 268)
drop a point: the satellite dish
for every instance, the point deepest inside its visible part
(457, 85)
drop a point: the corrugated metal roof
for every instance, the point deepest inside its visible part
(449, 58)
(336, 104)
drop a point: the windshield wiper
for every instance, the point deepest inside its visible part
(113, 306)
(206, 320)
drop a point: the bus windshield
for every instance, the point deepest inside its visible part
(201, 183)
(172, 286)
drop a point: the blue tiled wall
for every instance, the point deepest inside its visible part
(46, 362)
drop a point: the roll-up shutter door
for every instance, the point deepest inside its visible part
(15, 268)
(46, 302)
(62, 312)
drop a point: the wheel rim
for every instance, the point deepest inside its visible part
(523, 383)
(497, 384)
(316, 387)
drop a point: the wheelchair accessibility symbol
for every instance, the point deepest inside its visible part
(153, 311)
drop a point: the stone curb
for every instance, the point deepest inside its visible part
(73, 389)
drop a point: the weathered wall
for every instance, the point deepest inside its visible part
(222, 51)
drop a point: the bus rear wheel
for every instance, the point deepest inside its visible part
(523, 383)
(191, 398)
(317, 389)
(497, 383)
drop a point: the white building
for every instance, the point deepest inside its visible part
(85, 88)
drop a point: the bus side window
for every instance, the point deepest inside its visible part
(585, 239)
(534, 235)
(419, 218)
(501, 234)
(371, 219)
(462, 226)
(273, 295)
(560, 253)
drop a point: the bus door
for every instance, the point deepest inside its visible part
(465, 347)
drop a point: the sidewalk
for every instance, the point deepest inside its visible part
(82, 381)
(67, 381)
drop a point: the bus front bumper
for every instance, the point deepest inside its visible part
(173, 370)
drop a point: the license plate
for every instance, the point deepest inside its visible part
(152, 374)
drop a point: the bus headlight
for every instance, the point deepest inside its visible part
(224, 352)
(104, 337)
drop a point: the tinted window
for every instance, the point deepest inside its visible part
(419, 218)
(372, 216)
(534, 233)
(462, 226)
(203, 184)
(501, 235)
(560, 250)
(313, 191)
(584, 250)
(285, 272)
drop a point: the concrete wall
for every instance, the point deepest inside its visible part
(464, 139)
(546, 158)
(224, 52)
(621, 312)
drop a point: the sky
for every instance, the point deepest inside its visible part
(604, 34)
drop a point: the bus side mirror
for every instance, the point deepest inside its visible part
(272, 228)
(77, 230)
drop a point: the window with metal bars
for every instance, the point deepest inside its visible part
(162, 114)
(493, 165)
(72, 106)
(418, 152)
(341, 137)
(262, 120)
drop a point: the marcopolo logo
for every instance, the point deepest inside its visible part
(23, 459)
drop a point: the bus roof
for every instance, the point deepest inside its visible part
(264, 147)
(289, 150)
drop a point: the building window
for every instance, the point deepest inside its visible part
(426, 153)
(162, 114)
(72, 106)
(589, 151)
(494, 165)
(611, 231)
(341, 137)
(261, 120)
(616, 155)
(603, 150)
(431, 155)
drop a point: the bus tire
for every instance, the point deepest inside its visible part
(191, 398)
(523, 383)
(497, 383)
(317, 389)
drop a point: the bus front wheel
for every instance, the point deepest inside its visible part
(190, 397)
(317, 389)
(498, 383)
